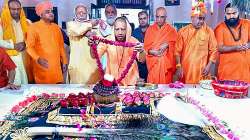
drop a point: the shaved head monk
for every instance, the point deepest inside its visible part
(159, 44)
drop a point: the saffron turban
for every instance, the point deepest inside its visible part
(198, 8)
(43, 6)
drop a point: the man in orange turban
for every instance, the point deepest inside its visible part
(46, 47)
(196, 48)
(43, 6)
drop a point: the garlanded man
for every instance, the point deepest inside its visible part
(118, 56)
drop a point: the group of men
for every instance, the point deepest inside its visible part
(193, 53)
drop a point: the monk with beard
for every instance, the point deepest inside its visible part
(233, 37)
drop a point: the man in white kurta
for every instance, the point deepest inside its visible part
(82, 67)
(106, 27)
(13, 20)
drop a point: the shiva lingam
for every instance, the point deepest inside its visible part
(106, 91)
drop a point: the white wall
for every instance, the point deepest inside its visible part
(182, 12)
(65, 7)
(175, 13)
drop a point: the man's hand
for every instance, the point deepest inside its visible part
(206, 70)
(102, 24)
(159, 52)
(20, 46)
(139, 48)
(90, 41)
(163, 47)
(64, 68)
(43, 62)
(155, 52)
(94, 22)
(245, 46)
(89, 34)
(12, 86)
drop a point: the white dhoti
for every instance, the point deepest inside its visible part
(21, 76)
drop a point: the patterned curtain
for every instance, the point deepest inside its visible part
(243, 5)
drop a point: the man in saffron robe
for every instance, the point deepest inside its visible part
(159, 44)
(82, 67)
(233, 37)
(196, 49)
(13, 28)
(118, 56)
(46, 47)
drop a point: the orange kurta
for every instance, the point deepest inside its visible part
(46, 41)
(195, 48)
(118, 58)
(234, 65)
(160, 69)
